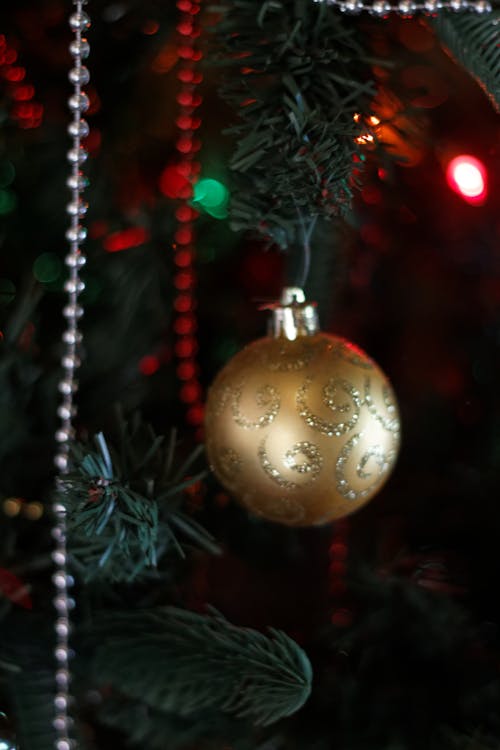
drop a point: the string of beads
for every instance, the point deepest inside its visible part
(76, 234)
(408, 8)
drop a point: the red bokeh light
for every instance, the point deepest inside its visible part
(149, 365)
(467, 176)
(190, 393)
(125, 239)
(173, 184)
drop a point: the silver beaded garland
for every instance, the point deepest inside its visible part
(76, 209)
(407, 8)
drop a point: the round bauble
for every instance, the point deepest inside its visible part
(302, 427)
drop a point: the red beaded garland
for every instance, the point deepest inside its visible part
(26, 112)
(187, 121)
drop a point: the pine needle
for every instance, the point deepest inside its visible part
(182, 663)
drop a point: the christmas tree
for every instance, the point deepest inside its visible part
(234, 150)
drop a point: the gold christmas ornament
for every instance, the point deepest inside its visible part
(302, 427)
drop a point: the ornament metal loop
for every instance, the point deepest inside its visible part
(292, 316)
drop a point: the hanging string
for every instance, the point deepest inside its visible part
(307, 230)
(68, 386)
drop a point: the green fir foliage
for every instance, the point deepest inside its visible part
(185, 663)
(123, 503)
(474, 41)
(296, 73)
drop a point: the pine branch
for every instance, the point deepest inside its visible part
(474, 40)
(296, 75)
(145, 727)
(182, 662)
(123, 504)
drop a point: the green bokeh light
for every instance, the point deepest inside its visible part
(8, 201)
(210, 193)
(47, 268)
(7, 173)
(212, 196)
(218, 212)
(7, 291)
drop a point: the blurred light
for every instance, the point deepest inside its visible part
(184, 236)
(149, 365)
(8, 201)
(33, 511)
(210, 193)
(183, 258)
(185, 214)
(186, 347)
(47, 268)
(125, 239)
(7, 291)
(10, 57)
(212, 196)
(356, 117)
(5, 745)
(23, 93)
(183, 280)
(15, 74)
(12, 506)
(150, 27)
(364, 139)
(195, 415)
(174, 184)
(190, 393)
(183, 303)
(467, 176)
(374, 120)
(14, 589)
(114, 12)
(165, 59)
(185, 324)
(186, 370)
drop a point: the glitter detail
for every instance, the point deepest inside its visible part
(291, 357)
(229, 464)
(382, 459)
(329, 398)
(224, 396)
(267, 396)
(347, 352)
(314, 463)
(376, 452)
(312, 467)
(388, 423)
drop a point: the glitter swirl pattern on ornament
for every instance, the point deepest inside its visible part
(302, 432)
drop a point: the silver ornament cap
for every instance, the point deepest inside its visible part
(292, 316)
